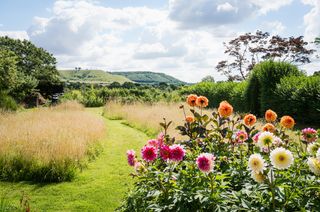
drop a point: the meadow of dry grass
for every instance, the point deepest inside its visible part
(64, 132)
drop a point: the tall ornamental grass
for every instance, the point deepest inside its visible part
(47, 144)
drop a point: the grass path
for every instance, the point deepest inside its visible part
(100, 187)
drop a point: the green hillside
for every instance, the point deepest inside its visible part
(91, 76)
(148, 77)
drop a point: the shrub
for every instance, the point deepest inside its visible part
(262, 84)
(299, 97)
(225, 165)
(7, 103)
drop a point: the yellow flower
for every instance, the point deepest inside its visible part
(314, 165)
(258, 177)
(281, 158)
(256, 163)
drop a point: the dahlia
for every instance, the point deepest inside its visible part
(189, 119)
(153, 142)
(249, 120)
(268, 127)
(265, 139)
(258, 177)
(131, 157)
(312, 148)
(241, 137)
(225, 109)
(309, 135)
(314, 165)
(165, 152)
(287, 122)
(191, 100)
(205, 162)
(255, 138)
(281, 158)
(256, 163)
(149, 153)
(202, 101)
(176, 153)
(270, 116)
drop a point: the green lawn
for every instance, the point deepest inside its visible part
(100, 187)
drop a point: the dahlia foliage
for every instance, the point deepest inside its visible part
(227, 163)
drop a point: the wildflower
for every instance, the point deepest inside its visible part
(312, 148)
(256, 137)
(249, 120)
(265, 140)
(270, 116)
(202, 101)
(189, 119)
(256, 163)
(241, 137)
(314, 165)
(153, 142)
(281, 158)
(176, 153)
(165, 152)
(287, 122)
(257, 176)
(131, 157)
(309, 135)
(205, 162)
(225, 109)
(191, 100)
(149, 153)
(269, 127)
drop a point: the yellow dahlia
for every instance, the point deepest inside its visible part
(256, 163)
(258, 177)
(314, 165)
(281, 158)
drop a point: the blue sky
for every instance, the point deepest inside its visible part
(182, 38)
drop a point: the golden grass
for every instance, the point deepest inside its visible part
(46, 134)
(147, 117)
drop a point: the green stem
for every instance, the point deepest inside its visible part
(272, 190)
(212, 178)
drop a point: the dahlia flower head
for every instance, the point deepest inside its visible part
(314, 165)
(256, 163)
(265, 140)
(313, 148)
(149, 153)
(309, 135)
(205, 162)
(131, 157)
(241, 137)
(258, 177)
(281, 158)
(177, 153)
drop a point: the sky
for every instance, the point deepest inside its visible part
(182, 38)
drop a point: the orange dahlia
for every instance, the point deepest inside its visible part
(202, 101)
(249, 120)
(225, 109)
(270, 116)
(287, 122)
(189, 119)
(191, 100)
(269, 127)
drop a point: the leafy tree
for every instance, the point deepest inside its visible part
(207, 79)
(316, 73)
(249, 49)
(8, 69)
(36, 65)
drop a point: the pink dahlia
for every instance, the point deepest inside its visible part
(205, 162)
(160, 139)
(131, 157)
(309, 135)
(176, 153)
(255, 138)
(153, 142)
(149, 153)
(241, 137)
(165, 152)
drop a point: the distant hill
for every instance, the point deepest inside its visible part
(91, 76)
(148, 77)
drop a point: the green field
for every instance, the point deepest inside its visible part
(100, 187)
(91, 76)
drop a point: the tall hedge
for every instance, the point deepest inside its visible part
(299, 97)
(262, 84)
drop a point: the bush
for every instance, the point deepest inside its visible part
(7, 103)
(299, 97)
(233, 92)
(262, 84)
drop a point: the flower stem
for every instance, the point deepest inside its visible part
(272, 190)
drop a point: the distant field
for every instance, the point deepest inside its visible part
(91, 76)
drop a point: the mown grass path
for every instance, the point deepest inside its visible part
(100, 187)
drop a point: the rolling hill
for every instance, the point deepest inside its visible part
(91, 76)
(148, 77)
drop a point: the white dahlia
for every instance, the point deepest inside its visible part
(265, 140)
(281, 158)
(314, 165)
(256, 163)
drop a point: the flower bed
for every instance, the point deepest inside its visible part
(227, 164)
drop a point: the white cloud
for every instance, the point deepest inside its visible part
(227, 7)
(15, 34)
(275, 27)
(312, 20)
(270, 5)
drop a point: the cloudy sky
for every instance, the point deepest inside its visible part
(182, 38)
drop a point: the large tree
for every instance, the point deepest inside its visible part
(36, 65)
(249, 49)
